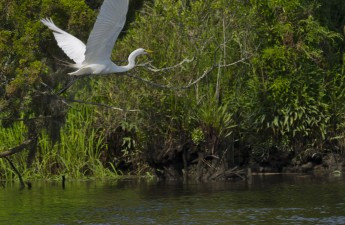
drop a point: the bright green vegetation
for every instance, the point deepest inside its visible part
(285, 93)
(77, 155)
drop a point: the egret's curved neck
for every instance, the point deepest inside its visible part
(131, 60)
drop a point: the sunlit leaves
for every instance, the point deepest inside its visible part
(290, 90)
(292, 69)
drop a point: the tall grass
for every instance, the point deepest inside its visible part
(10, 137)
(77, 155)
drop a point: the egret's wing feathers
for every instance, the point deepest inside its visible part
(72, 46)
(109, 23)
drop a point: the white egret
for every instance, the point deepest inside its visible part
(94, 57)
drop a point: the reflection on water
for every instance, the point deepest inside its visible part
(278, 199)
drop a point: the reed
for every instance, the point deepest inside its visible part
(77, 155)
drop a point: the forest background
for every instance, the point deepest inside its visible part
(246, 83)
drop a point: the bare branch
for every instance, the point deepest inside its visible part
(152, 68)
(151, 82)
(64, 89)
(65, 100)
(206, 72)
(22, 184)
(16, 149)
(234, 63)
(99, 104)
(67, 86)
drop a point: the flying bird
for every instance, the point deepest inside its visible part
(94, 57)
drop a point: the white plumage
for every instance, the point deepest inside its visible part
(94, 57)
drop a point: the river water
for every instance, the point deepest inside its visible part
(275, 199)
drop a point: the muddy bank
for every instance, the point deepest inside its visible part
(317, 163)
(204, 167)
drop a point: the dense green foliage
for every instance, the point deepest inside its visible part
(285, 93)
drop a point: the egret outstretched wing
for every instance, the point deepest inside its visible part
(94, 58)
(72, 46)
(109, 23)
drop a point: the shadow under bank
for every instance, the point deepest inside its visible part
(212, 168)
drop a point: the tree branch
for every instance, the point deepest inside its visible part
(68, 85)
(234, 63)
(16, 149)
(99, 104)
(206, 72)
(22, 184)
(152, 68)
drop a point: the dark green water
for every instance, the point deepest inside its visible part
(268, 200)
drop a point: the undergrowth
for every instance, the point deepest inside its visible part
(78, 155)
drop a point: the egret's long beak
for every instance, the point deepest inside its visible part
(148, 51)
